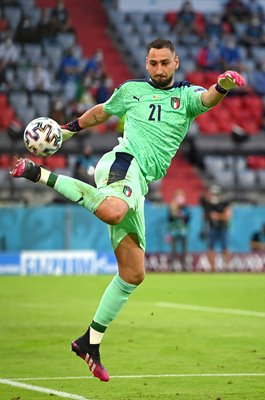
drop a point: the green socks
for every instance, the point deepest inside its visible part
(113, 299)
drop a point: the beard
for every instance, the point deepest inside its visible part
(162, 82)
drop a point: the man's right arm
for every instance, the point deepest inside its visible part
(92, 117)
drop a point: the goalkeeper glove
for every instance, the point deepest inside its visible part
(229, 80)
(68, 130)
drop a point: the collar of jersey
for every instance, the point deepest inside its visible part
(176, 84)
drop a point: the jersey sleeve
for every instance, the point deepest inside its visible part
(115, 104)
(194, 101)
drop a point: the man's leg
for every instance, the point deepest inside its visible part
(109, 209)
(130, 259)
(130, 256)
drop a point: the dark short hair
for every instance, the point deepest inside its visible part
(161, 44)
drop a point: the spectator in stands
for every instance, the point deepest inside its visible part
(69, 69)
(26, 32)
(218, 213)
(38, 79)
(230, 57)
(185, 24)
(59, 16)
(204, 202)
(254, 34)
(178, 220)
(9, 52)
(85, 93)
(58, 110)
(84, 168)
(208, 58)
(214, 27)
(255, 8)
(46, 29)
(95, 67)
(257, 79)
(257, 242)
(4, 85)
(69, 74)
(236, 11)
(103, 90)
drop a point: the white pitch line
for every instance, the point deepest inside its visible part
(191, 307)
(40, 389)
(242, 374)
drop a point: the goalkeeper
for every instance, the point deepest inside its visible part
(158, 112)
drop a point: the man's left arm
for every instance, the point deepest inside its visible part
(225, 82)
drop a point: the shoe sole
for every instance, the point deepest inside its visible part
(97, 369)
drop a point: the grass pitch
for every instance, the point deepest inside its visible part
(181, 337)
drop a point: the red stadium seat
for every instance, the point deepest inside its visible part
(35, 159)
(211, 78)
(3, 101)
(6, 117)
(5, 161)
(250, 126)
(56, 161)
(252, 102)
(256, 162)
(196, 78)
(208, 126)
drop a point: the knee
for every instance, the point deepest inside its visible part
(137, 278)
(112, 211)
(114, 216)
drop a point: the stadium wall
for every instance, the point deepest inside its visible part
(69, 227)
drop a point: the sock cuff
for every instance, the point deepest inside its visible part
(126, 287)
(98, 327)
(52, 179)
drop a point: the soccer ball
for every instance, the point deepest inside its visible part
(43, 136)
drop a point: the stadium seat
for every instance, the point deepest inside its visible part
(27, 6)
(213, 163)
(6, 116)
(54, 53)
(207, 124)
(19, 99)
(66, 39)
(137, 18)
(196, 78)
(156, 18)
(247, 179)
(256, 162)
(210, 78)
(261, 179)
(26, 114)
(250, 126)
(13, 14)
(41, 103)
(33, 52)
(57, 161)
(5, 160)
(225, 179)
(3, 101)
(162, 29)
(171, 18)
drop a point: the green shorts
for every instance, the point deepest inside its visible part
(118, 174)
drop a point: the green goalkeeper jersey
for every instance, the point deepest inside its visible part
(156, 121)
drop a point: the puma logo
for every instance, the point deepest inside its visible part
(137, 98)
